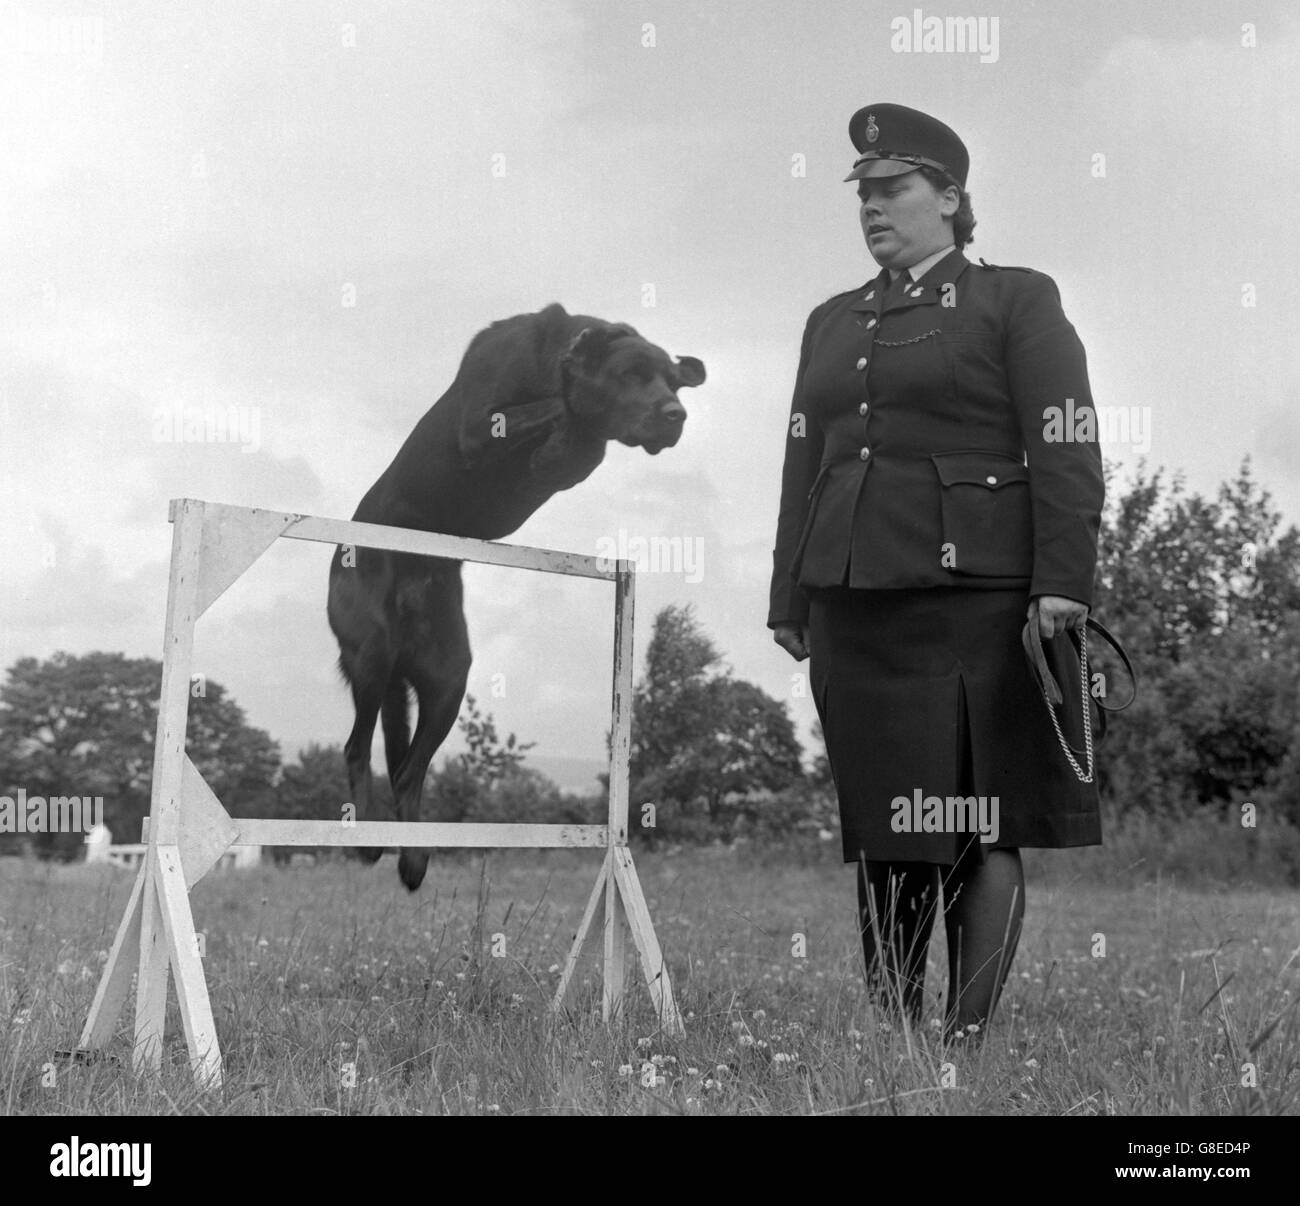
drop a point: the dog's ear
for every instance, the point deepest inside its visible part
(689, 371)
(589, 348)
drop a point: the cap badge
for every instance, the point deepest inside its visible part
(873, 130)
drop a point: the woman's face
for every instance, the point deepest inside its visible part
(903, 218)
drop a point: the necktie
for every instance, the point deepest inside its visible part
(898, 289)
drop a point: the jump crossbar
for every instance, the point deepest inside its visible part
(425, 544)
(459, 834)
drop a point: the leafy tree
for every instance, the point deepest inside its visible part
(1206, 595)
(85, 725)
(702, 738)
(488, 757)
(489, 781)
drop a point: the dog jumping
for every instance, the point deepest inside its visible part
(535, 402)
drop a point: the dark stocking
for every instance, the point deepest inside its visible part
(896, 916)
(984, 906)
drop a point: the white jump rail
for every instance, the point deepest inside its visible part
(188, 829)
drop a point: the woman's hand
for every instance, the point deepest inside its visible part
(1057, 614)
(793, 639)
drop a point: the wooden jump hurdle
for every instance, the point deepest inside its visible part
(189, 830)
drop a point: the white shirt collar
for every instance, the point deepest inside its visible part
(919, 269)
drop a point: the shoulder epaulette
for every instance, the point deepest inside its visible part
(847, 293)
(1003, 267)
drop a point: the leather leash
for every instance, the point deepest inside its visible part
(1053, 697)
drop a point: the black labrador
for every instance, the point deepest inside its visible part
(534, 403)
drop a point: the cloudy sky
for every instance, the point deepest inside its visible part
(306, 210)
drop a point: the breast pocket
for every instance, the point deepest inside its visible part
(987, 520)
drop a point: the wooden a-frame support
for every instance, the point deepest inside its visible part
(188, 830)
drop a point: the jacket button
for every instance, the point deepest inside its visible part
(862, 363)
(862, 410)
(992, 481)
(865, 453)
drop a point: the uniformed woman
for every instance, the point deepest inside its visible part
(933, 487)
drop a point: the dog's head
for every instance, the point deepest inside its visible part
(627, 387)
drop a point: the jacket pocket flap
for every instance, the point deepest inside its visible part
(989, 469)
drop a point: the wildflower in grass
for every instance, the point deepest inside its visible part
(782, 1057)
(643, 1043)
(650, 1078)
(1031, 1063)
(554, 969)
(973, 1028)
(692, 1071)
(494, 1108)
(22, 1017)
(759, 1014)
(263, 942)
(746, 1040)
(657, 1060)
(625, 1069)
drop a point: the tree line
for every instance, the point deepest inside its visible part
(1204, 592)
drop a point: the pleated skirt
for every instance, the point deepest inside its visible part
(938, 737)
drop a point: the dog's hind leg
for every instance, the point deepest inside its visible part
(438, 710)
(439, 673)
(366, 698)
(369, 670)
(396, 722)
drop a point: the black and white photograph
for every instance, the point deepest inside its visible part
(629, 558)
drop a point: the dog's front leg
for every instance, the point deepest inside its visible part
(568, 456)
(493, 433)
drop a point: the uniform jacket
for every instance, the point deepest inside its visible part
(921, 450)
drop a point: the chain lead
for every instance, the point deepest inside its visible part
(1087, 715)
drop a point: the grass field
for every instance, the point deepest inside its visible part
(315, 969)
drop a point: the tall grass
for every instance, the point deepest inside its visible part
(335, 991)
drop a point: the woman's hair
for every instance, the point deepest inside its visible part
(963, 221)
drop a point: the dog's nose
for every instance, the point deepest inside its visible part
(674, 412)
